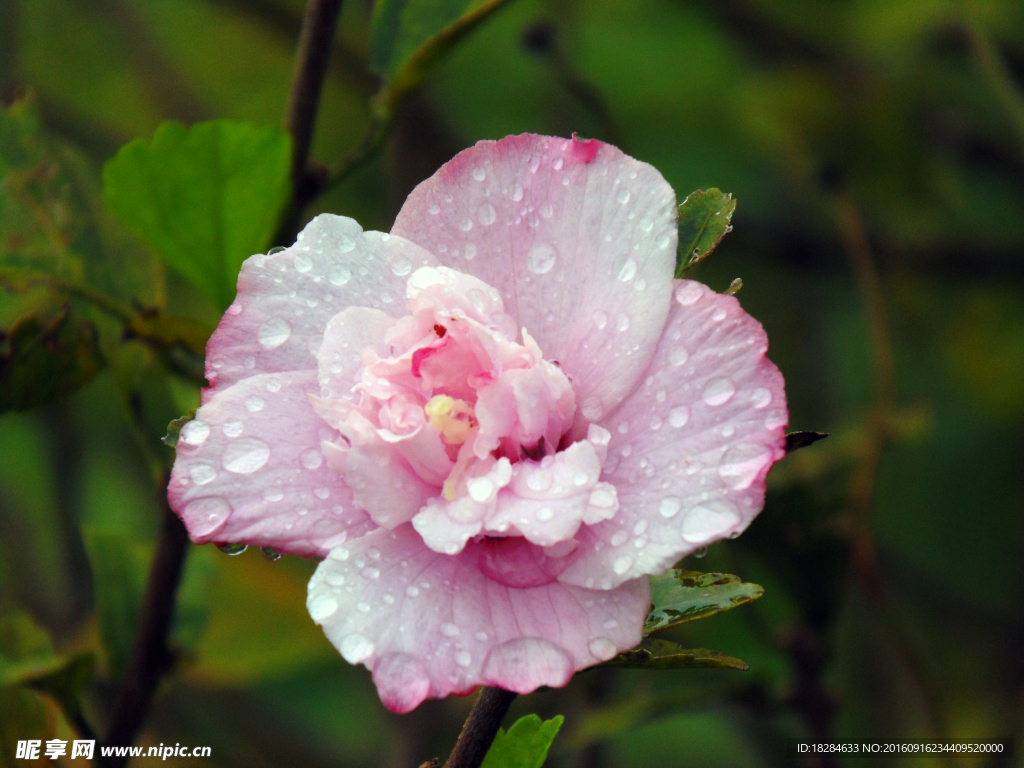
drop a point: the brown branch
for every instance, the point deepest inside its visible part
(150, 658)
(307, 84)
(481, 727)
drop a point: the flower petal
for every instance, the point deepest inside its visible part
(249, 469)
(691, 447)
(429, 625)
(286, 299)
(579, 239)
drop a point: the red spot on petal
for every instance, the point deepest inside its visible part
(440, 330)
(583, 150)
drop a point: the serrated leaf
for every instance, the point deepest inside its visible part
(654, 653)
(45, 354)
(704, 219)
(52, 217)
(525, 745)
(407, 36)
(204, 198)
(679, 596)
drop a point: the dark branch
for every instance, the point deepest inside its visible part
(150, 657)
(481, 727)
(307, 83)
(797, 440)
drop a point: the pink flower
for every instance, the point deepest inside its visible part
(493, 424)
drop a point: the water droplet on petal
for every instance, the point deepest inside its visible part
(254, 404)
(546, 210)
(600, 319)
(470, 252)
(718, 391)
(480, 488)
(466, 224)
(603, 648)
(700, 552)
(272, 495)
(646, 224)
(412, 591)
(517, 192)
(670, 506)
(302, 263)
(401, 267)
(678, 356)
(479, 173)
(195, 432)
(355, 648)
(339, 274)
(273, 333)
(233, 548)
(623, 196)
(557, 164)
(463, 658)
(233, 428)
(273, 385)
(270, 554)
(311, 459)
(678, 416)
(486, 215)
(450, 630)
(540, 259)
(627, 270)
(346, 244)
(760, 398)
(245, 455)
(545, 513)
(622, 564)
(202, 474)
(622, 322)
(434, 209)
(206, 515)
(689, 293)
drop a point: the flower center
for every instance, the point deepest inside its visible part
(473, 419)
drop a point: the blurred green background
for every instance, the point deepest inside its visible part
(876, 149)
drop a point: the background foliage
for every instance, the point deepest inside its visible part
(854, 136)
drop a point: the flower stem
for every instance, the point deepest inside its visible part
(311, 61)
(481, 727)
(150, 657)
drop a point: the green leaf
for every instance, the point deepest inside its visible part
(118, 571)
(408, 36)
(525, 745)
(25, 650)
(653, 653)
(680, 596)
(175, 427)
(204, 198)
(47, 351)
(703, 221)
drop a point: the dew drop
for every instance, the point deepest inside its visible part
(202, 474)
(195, 432)
(479, 173)
(480, 488)
(540, 259)
(678, 356)
(718, 391)
(600, 319)
(245, 455)
(486, 214)
(689, 293)
(273, 333)
(670, 506)
(412, 591)
(622, 322)
(270, 554)
(355, 648)
(622, 564)
(466, 224)
(346, 244)
(517, 192)
(311, 459)
(700, 552)
(339, 275)
(470, 252)
(760, 398)
(434, 209)
(646, 224)
(272, 495)
(233, 428)
(627, 271)
(619, 539)
(591, 408)
(623, 196)
(322, 492)
(401, 267)
(463, 658)
(254, 404)
(546, 210)
(274, 385)
(233, 548)
(545, 513)
(603, 648)
(557, 164)
(678, 416)
(450, 630)
(302, 263)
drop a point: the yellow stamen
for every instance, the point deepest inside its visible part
(453, 418)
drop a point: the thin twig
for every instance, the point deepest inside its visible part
(481, 727)
(865, 474)
(311, 61)
(151, 657)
